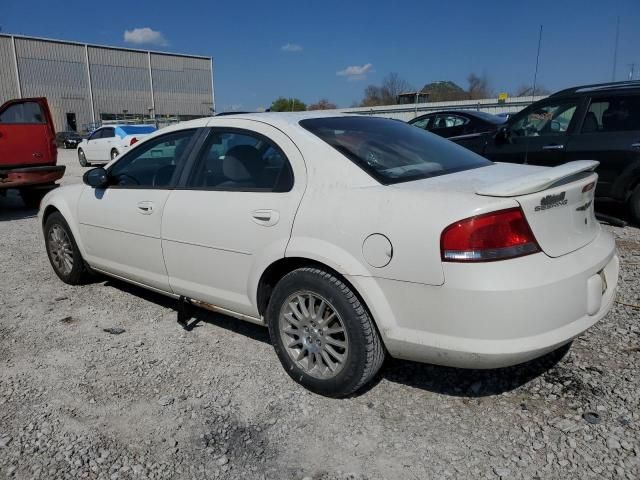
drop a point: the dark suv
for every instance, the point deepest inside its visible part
(592, 122)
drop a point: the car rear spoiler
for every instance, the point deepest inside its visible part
(538, 181)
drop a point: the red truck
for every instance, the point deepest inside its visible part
(28, 153)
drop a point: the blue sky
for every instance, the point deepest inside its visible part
(334, 49)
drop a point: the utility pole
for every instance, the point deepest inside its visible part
(615, 51)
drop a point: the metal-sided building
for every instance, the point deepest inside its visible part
(88, 84)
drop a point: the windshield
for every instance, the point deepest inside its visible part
(137, 129)
(392, 151)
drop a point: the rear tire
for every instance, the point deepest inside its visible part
(322, 334)
(63, 252)
(634, 205)
(82, 158)
(32, 197)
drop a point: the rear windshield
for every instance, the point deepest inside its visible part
(392, 151)
(137, 129)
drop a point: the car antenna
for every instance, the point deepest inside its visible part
(533, 89)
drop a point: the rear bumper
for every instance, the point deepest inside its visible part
(30, 176)
(496, 314)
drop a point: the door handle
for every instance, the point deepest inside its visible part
(265, 217)
(553, 146)
(145, 208)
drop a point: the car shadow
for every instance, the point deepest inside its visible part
(615, 210)
(12, 208)
(198, 316)
(469, 383)
(448, 381)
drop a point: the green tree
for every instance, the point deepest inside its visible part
(288, 105)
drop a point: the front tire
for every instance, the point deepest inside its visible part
(63, 252)
(114, 154)
(82, 158)
(322, 333)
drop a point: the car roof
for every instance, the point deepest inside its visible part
(275, 119)
(599, 87)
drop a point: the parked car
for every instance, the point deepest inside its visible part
(68, 139)
(350, 237)
(28, 153)
(596, 122)
(457, 122)
(106, 143)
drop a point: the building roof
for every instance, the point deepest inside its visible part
(111, 47)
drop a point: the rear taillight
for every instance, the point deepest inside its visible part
(492, 236)
(133, 140)
(588, 187)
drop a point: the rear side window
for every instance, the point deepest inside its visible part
(241, 160)
(25, 112)
(392, 151)
(107, 133)
(613, 114)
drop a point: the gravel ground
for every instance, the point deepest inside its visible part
(157, 402)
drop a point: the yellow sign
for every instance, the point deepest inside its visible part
(502, 97)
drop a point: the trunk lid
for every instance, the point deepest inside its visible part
(557, 202)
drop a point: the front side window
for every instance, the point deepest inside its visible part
(422, 123)
(549, 120)
(613, 114)
(95, 135)
(391, 151)
(240, 160)
(153, 163)
(25, 112)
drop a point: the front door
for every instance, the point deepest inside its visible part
(92, 145)
(234, 215)
(121, 225)
(538, 135)
(610, 133)
(26, 135)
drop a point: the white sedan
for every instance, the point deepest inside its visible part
(106, 143)
(350, 237)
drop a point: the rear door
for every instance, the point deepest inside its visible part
(105, 144)
(26, 133)
(610, 133)
(233, 216)
(539, 134)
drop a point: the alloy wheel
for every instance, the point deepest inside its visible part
(313, 334)
(60, 249)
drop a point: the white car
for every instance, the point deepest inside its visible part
(350, 237)
(108, 142)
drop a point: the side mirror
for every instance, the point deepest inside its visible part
(503, 134)
(96, 177)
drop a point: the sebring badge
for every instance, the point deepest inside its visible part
(551, 201)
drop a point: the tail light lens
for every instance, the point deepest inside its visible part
(133, 140)
(485, 238)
